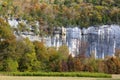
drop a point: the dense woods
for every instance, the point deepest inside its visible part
(24, 55)
(54, 13)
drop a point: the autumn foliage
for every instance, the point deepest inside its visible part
(54, 13)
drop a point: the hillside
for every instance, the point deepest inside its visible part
(53, 13)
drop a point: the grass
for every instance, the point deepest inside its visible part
(58, 74)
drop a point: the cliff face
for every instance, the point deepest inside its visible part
(104, 40)
(101, 41)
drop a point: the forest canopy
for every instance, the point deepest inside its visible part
(54, 13)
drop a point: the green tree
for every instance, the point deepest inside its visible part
(54, 58)
(41, 51)
(10, 65)
(28, 61)
(41, 54)
(7, 47)
(63, 51)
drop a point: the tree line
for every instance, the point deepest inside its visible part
(54, 13)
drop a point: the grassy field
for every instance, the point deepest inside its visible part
(58, 74)
(114, 77)
(49, 78)
(2, 77)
